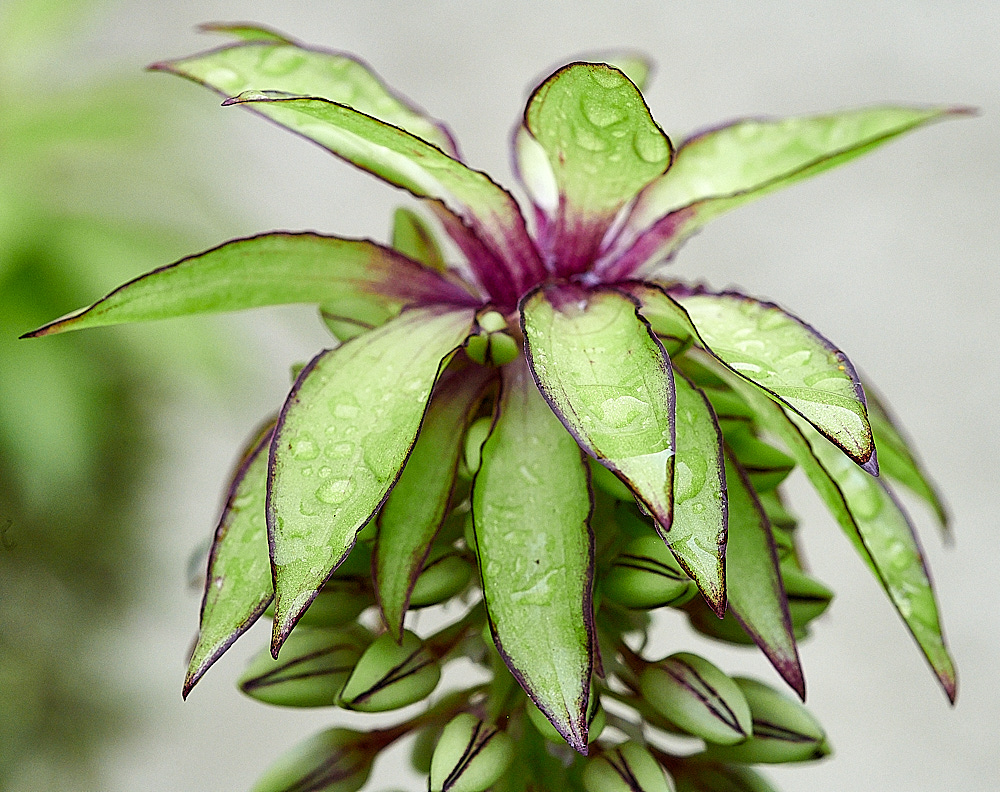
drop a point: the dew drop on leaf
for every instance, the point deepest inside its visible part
(335, 491)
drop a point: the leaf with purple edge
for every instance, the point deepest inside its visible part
(609, 380)
(790, 361)
(602, 146)
(531, 507)
(756, 591)
(870, 517)
(359, 279)
(407, 161)
(724, 168)
(898, 462)
(238, 583)
(417, 505)
(267, 61)
(698, 532)
(342, 438)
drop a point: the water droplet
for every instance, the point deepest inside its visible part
(335, 491)
(601, 112)
(306, 471)
(325, 471)
(345, 410)
(340, 450)
(243, 501)
(697, 508)
(608, 78)
(622, 412)
(651, 146)
(586, 139)
(303, 447)
(744, 367)
(225, 78)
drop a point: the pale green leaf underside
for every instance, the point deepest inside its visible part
(870, 518)
(260, 64)
(531, 506)
(724, 168)
(698, 532)
(756, 592)
(416, 507)
(341, 440)
(238, 586)
(408, 162)
(412, 236)
(602, 144)
(356, 278)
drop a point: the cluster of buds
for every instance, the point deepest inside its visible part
(549, 438)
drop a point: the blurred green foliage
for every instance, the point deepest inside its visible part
(85, 200)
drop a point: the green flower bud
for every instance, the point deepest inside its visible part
(390, 675)
(469, 756)
(422, 750)
(492, 322)
(309, 672)
(699, 776)
(336, 760)
(445, 574)
(477, 347)
(807, 597)
(783, 729)
(765, 464)
(475, 436)
(697, 697)
(596, 719)
(707, 623)
(628, 767)
(491, 345)
(645, 575)
(503, 349)
(338, 603)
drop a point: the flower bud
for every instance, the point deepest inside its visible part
(628, 767)
(336, 760)
(608, 483)
(469, 756)
(783, 729)
(338, 603)
(766, 466)
(596, 719)
(645, 575)
(700, 776)
(445, 574)
(807, 597)
(390, 675)
(475, 436)
(707, 623)
(697, 697)
(309, 672)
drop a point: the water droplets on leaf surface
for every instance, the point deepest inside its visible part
(335, 491)
(600, 112)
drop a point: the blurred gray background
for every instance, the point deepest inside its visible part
(893, 257)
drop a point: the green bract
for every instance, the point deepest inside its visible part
(596, 438)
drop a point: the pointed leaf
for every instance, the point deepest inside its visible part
(723, 168)
(407, 161)
(360, 279)
(417, 505)
(531, 505)
(756, 591)
(342, 438)
(603, 147)
(870, 517)
(245, 32)
(238, 584)
(898, 462)
(698, 533)
(412, 236)
(609, 380)
(266, 61)
(779, 353)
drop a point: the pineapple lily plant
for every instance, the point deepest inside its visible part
(527, 417)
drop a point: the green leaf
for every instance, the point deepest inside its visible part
(266, 61)
(609, 380)
(531, 506)
(698, 532)
(426, 171)
(756, 591)
(238, 584)
(727, 167)
(417, 505)
(357, 279)
(790, 361)
(602, 146)
(898, 462)
(412, 236)
(342, 437)
(245, 32)
(869, 516)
